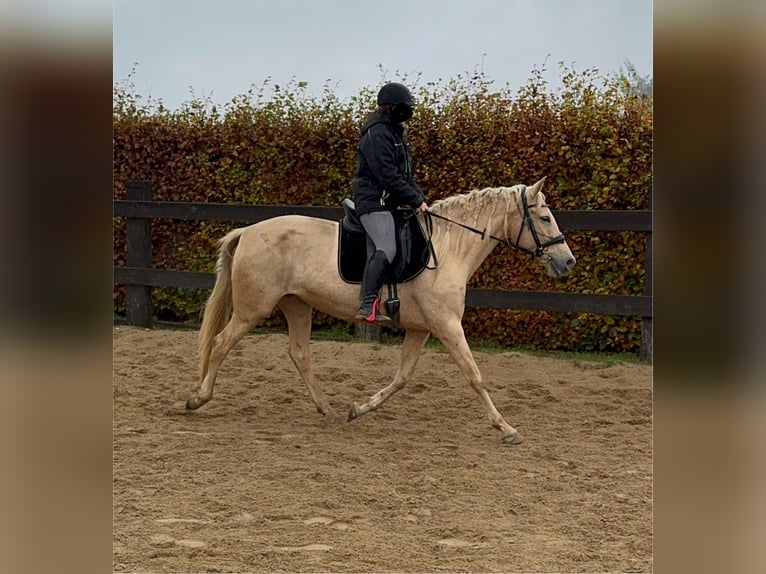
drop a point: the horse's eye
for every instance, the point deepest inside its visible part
(546, 219)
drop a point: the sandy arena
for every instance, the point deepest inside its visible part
(257, 481)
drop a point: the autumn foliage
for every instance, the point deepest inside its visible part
(592, 138)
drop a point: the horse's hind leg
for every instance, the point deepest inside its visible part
(222, 344)
(298, 315)
(454, 340)
(411, 349)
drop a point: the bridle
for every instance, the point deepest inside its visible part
(540, 247)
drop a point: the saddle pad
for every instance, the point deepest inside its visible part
(352, 253)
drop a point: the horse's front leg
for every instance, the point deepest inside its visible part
(411, 349)
(454, 340)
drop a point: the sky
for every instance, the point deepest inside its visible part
(178, 50)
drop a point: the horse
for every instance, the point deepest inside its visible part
(290, 262)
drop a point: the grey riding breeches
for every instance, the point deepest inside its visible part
(379, 226)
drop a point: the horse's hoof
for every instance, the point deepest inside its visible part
(515, 438)
(193, 404)
(352, 412)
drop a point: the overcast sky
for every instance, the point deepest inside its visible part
(219, 48)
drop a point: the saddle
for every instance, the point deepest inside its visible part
(413, 249)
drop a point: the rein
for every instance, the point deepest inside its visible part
(539, 247)
(468, 227)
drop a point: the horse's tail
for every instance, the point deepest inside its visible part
(218, 308)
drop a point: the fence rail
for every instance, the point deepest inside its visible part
(139, 276)
(605, 220)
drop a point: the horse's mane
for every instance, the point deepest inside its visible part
(469, 207)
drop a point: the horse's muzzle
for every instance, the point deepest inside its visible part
(559, 266)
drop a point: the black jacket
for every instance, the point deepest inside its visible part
(383, 177)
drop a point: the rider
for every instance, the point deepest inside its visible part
(383, 182)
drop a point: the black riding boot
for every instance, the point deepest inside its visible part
(372, 280)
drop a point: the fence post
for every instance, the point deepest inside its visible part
(646, 351)
(368, 332)
(138, 298)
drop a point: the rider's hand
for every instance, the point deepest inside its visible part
(423, 207)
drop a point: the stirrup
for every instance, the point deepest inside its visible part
(376, 315)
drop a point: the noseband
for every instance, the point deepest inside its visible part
(527, 218)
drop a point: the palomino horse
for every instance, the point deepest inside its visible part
(292, 262)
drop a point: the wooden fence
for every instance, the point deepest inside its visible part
(139, 276)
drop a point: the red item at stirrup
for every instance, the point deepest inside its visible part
(374, 314)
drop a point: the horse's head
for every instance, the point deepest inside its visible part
(539, 233)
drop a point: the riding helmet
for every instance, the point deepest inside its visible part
(394, 93)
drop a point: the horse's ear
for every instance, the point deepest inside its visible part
(536, 188)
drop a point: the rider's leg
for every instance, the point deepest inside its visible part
(380, 230)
